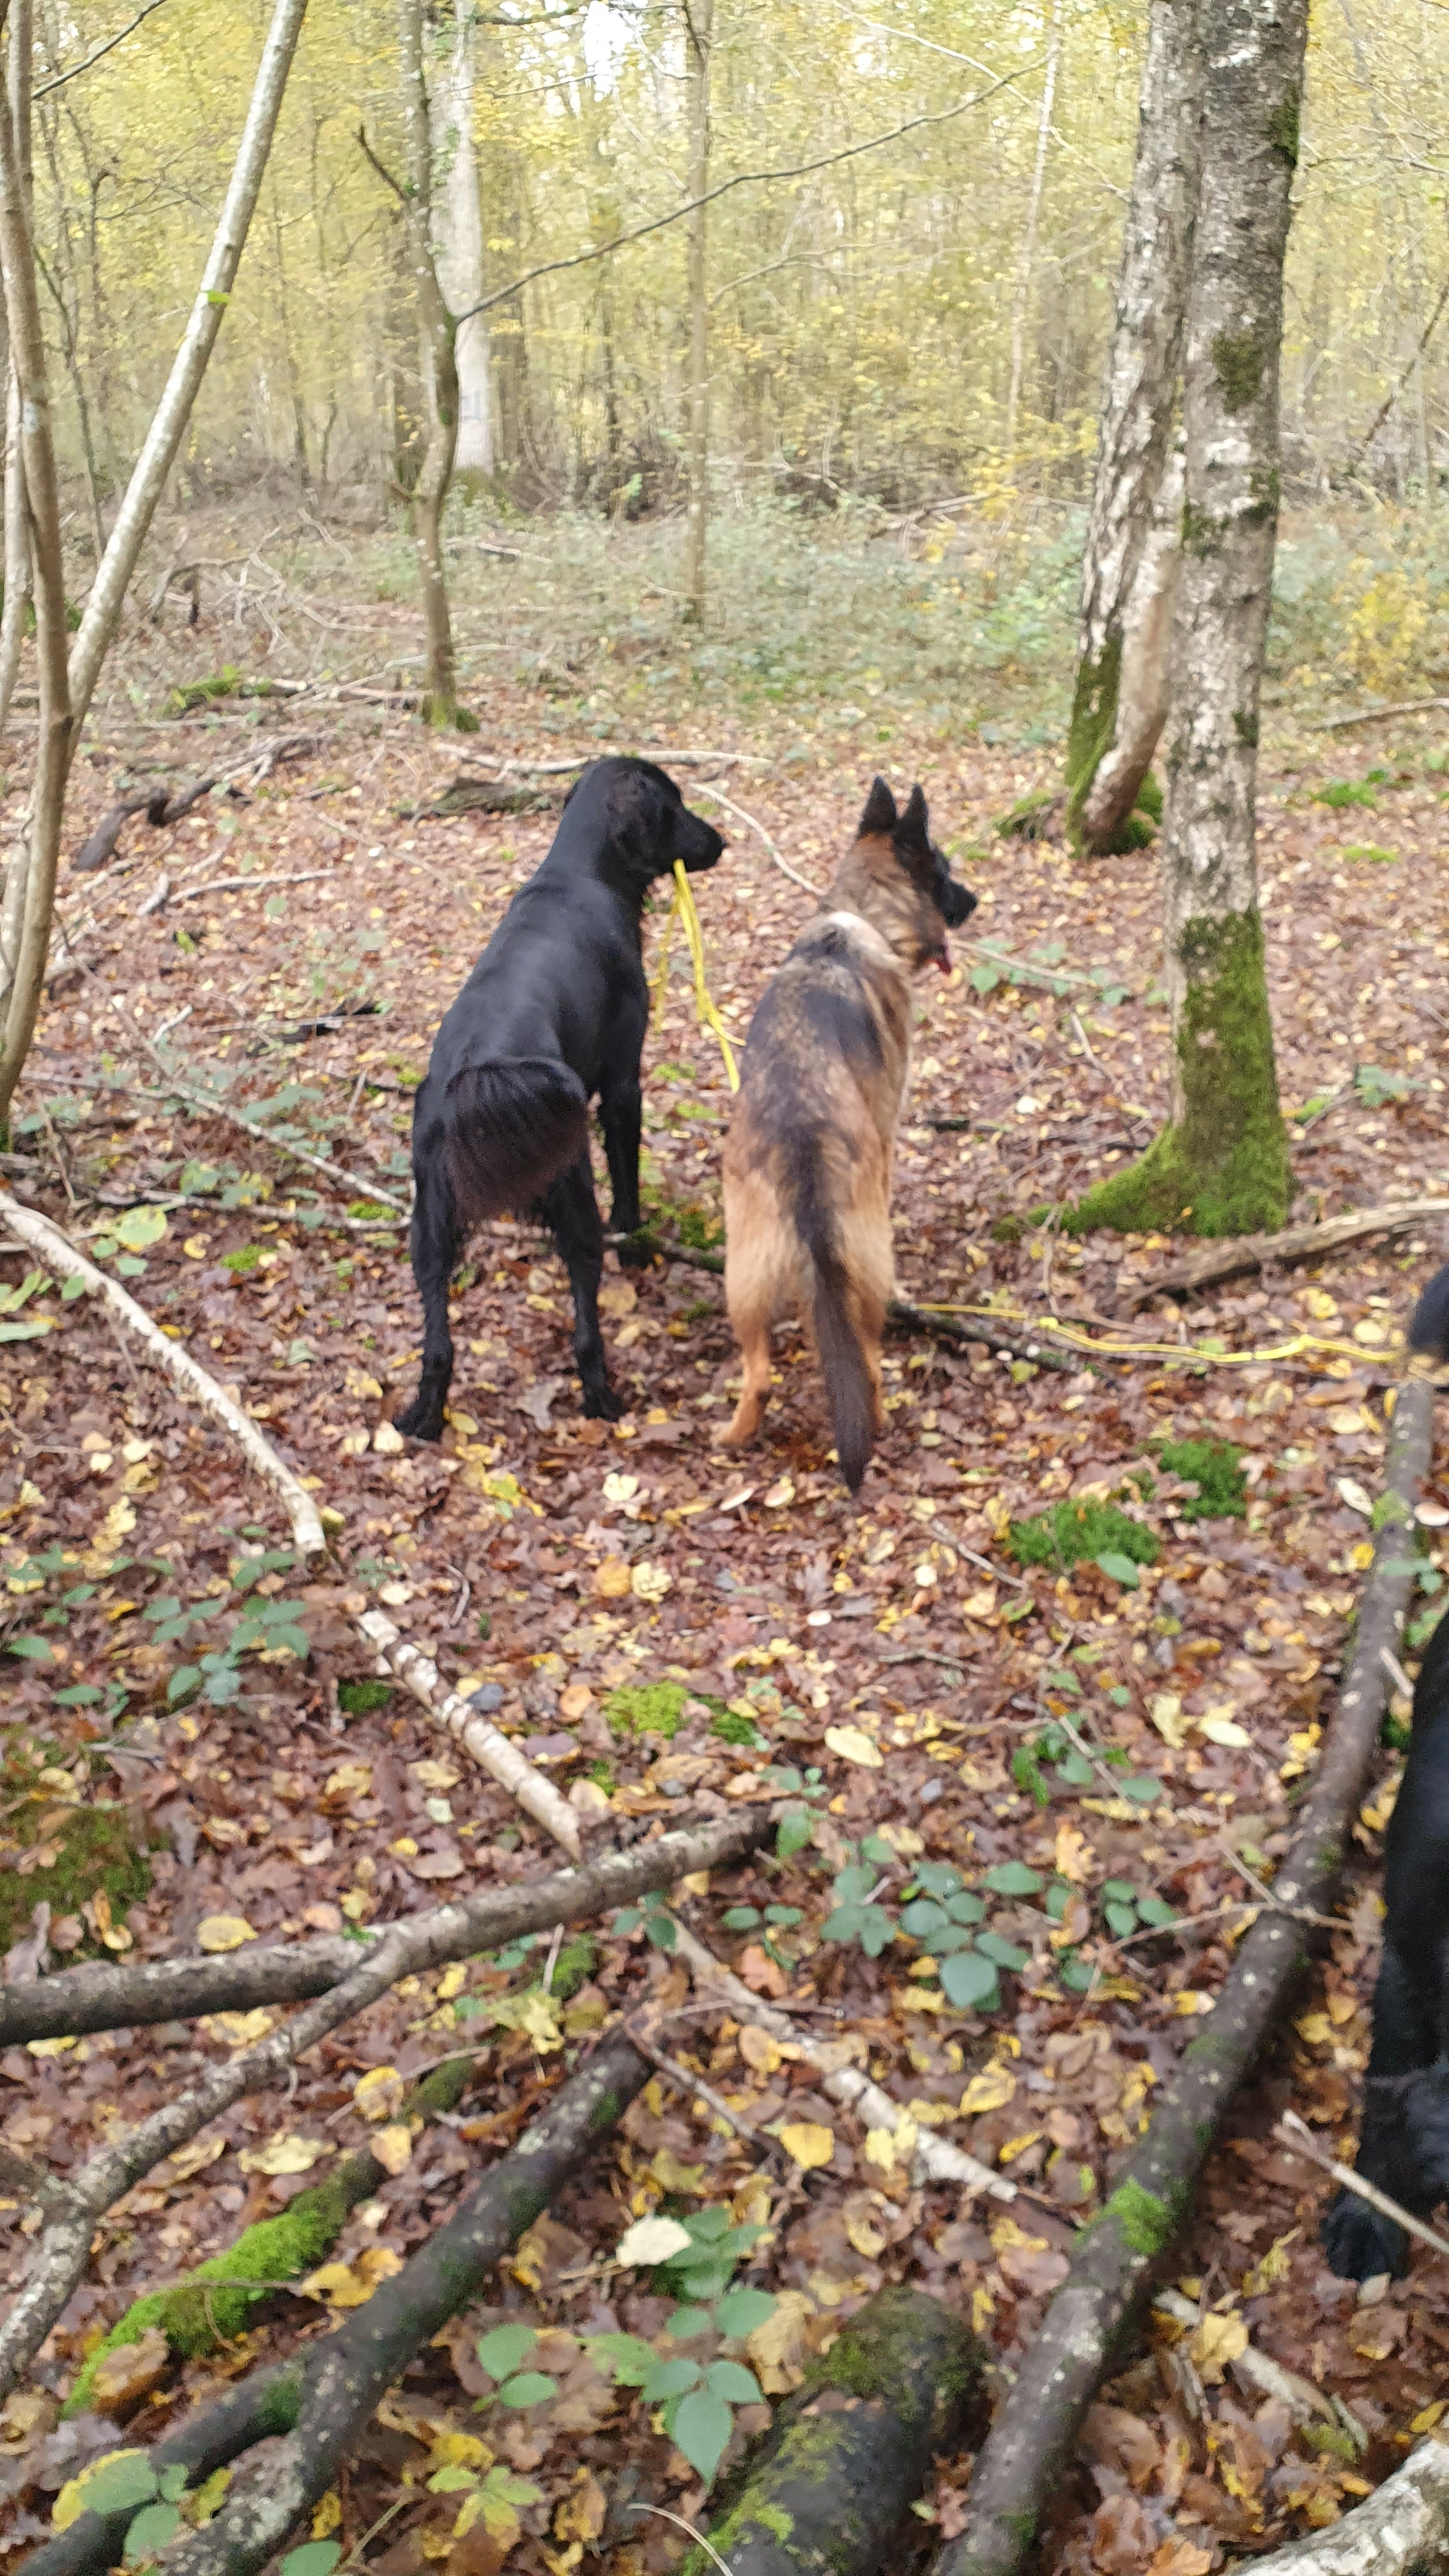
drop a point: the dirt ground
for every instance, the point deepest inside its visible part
(564, 1565)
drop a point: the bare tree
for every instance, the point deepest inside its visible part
(1129, 573)
(1221, 1164)
(17, 523)
(1026, 264)
(458, 239)
(699, 40)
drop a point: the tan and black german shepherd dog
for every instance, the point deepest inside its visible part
(807, 1161)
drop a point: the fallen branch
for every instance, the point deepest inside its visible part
(1400, 2530)
(145, 1991)
(323, 2404)
(1091, 2315)
(1293, 2134)
(491, 1751)
(1296, 1243)
(1305, 2403)
(933, 2159)
(61, 2252)
(1371, 715)
(214, 2305)
(849, 2452)
(28, 1227)
(782, 863)
(942, 1328)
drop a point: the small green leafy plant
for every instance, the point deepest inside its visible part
(1070, 1533)
(1213, 1466)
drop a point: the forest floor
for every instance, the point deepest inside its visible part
(684, 1628)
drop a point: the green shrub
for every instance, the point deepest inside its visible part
(1071, 1533)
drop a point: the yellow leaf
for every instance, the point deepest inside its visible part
(1075, 1858)
(866, 2239)
(378, 2094)
(1165, 1711)
(991, 2090)
(611, 1579)
(852, 1744)
(758, 2049)
(1188, 2002)
(533, 2012)
(452, 1981)
(808, 2142)
(287, 2153)
(191, 2159)
(1221, 1727)
(619, 1298)
(650, 1582)
(1316, 2028)
(1217, 2341)
(443, 1775)
(1428, 2416)
(223, 1932)
(454, 2450)
(349, 1780)
(889, 2148)
(983, 2308)
(393, 2146)
(196, 1247)
(387, 1440)
(327, 2515)
(238, 2029)
(581, 2514)
(777, 2348)
(1318, 1304)
(344, 2285)
(1015, 2147)
(1274, 2266)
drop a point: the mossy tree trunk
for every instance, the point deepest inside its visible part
(1130, 568)
(1220, 1167)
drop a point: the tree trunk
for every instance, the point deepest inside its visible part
(163, 438)
(1027, 262)
(1129, 571)
(440, 377)
(17, 522)
(699, 38)
(458, 243)
(846, 2457)
(25, 963)
(1220, 1166)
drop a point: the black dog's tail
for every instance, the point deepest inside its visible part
(837, 1338)
(510, 1128)
(1429, 1330)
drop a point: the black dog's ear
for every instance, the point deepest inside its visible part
(913, 825)
(879, 818)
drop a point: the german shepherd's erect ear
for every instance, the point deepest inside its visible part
(878, 822)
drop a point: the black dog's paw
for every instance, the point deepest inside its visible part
(1360, 2244)
(422, 1419)
(601, 1404)
(636, 1251)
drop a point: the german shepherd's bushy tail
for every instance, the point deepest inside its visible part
(837, 1335)
(511, 1127)
(1429, 1331)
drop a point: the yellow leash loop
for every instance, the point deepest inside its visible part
(705, 1005)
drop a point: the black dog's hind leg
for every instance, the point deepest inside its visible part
(572, 1212)
(621, 1113)
(1359, 2242)
(435, 1243)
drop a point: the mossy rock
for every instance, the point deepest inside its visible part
(1031, 818)
(1076, 1533)
(1213, 1466)
(96, 1848)
(646, 1708)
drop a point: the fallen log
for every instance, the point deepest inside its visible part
(483, 1744)
(322, 2402)
(1091, 2316)
(80, 2000)
(848, 2454)
(1296, 1243)
(1402, 2529)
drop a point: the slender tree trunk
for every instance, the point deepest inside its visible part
(47, 797)
(1027, 263)
(440, 378)
(12, 624)
(1220, 1167)
(163, 438)
(458, 242)
(699, 39)
(1130, 568)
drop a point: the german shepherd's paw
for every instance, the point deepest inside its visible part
(1360, 2244)
(601, 1404)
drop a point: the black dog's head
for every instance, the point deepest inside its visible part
(647, 823)
(928, 867)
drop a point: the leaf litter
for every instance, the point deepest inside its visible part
(1045, 1780)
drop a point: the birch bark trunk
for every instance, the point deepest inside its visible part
(1027, 262)
(440, 377)
(1220, 1166)
(699, 38)
(458, 242)
(1130, 568)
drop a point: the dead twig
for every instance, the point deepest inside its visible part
(1295, 1243)
(1292, 2133)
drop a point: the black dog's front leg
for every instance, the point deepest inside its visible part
(621, 1113)
(435, 1243)
(572, 1212)
(1359, 2242)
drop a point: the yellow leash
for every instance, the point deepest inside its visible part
(682, 909)
(1299, 1346)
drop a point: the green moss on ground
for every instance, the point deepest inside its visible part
(646, 1708)
(1211, 1465)
(572, 1968)
(1073, 1533)
(95, 1848)
(359, 1699)
(1222, 1168)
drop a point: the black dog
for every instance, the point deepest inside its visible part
(1404, 2145)
(552, 1017)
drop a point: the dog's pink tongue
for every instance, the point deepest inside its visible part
(943, 957)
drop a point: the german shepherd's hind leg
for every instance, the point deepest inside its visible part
(572, 1212)
(752, 1332)
(435, 1241)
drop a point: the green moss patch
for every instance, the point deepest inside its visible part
(646, 1708)
(243, 1261)
(1074, 1533)
(359, 1699)
(95, 1849)
(572, 1968)
(1211, 1465)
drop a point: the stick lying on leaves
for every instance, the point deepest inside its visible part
(184, 1372)
(322, 2402)
(491, 1751)
(1295, 1243)
(933, 2159)
(78, 2000)
(1091, 2315)
(1299, 2140)
(61, 2251)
